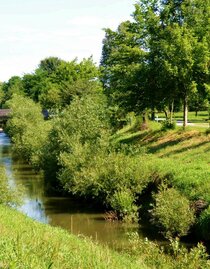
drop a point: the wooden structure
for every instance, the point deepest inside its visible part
(4, 115)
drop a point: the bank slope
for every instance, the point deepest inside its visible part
(25, 243)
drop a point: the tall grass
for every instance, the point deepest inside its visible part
(25, 243)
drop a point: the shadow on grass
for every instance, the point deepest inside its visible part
(171, 142)
(183, 149)
(142, 137)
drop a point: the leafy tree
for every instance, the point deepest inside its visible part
(50, 65)
(13, 86)
(76, 135)
(174, 60)
(1, 94)
(122, 58)
(28, 129)
(55, 82)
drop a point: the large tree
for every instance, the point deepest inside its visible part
(172, 63)
(55, 82)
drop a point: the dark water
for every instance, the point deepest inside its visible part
(59, 211)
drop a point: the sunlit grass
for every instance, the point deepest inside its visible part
(25, 243)
(183, 155)
(202, 116)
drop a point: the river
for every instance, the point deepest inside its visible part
(60, 211)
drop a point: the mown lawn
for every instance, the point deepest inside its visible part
(202, 116)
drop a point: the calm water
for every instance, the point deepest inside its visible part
(59, 211)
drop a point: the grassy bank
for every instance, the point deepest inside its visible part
(25, 243)
(183, 155)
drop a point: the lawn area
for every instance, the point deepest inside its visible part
(182, 155)
(202, 116)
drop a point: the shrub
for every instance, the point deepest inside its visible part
(123, 202)
(172, 212)
(170, 256)
(168, 125)
(204, 224)
(28, 129)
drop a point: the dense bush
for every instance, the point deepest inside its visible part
(123, 202)
(204, 224)
(27, 129)
(172, 212)
(166, 124)
(170, 256)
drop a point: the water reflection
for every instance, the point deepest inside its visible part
(58, 211)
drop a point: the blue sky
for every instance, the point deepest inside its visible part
(31, 30)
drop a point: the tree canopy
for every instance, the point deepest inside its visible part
(159, 57)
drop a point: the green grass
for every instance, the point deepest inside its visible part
(25, 244)
(201, 117)
(182, 156)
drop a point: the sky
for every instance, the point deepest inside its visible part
(32, 30)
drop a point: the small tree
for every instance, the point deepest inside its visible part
(171, 211)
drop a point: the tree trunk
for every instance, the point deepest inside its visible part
(185, 112)
(153, 115)
(144, 124)
(171, 111)
(166, 113)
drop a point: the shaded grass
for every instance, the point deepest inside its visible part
(25, 243)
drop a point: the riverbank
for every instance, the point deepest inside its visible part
(25, 243)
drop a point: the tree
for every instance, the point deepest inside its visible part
(174, 59)
(13, 86)
(55, 82)
(27, 129)
(122, 60)
(1, 94)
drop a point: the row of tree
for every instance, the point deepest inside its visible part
(54, 83)
(159, 59)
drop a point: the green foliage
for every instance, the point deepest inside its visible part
(25, 243)
(77, 134)
(203, 224)
(13, 86)
(28, 129)
(123, 202)
(168, 125)
(172, 212)
(159, 58)
(1, 94)
(170, 256)
(55, 82)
